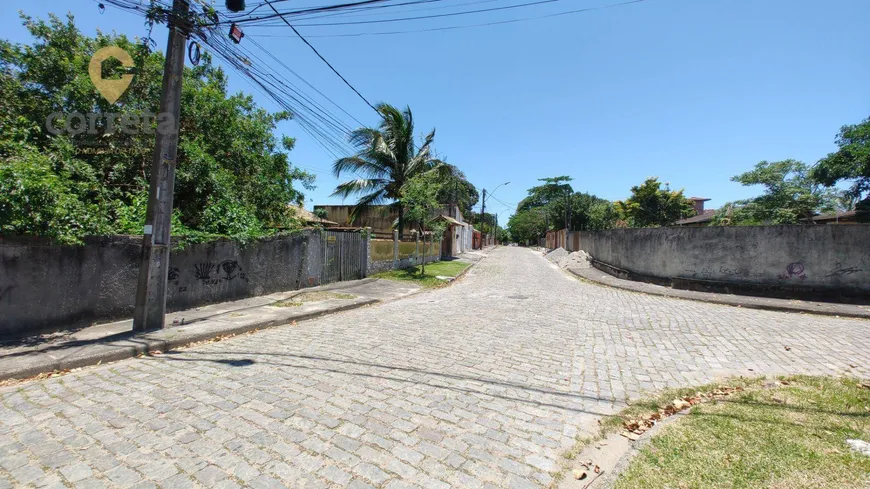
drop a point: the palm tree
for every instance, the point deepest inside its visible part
(386, 159)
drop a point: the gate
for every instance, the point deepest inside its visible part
(344, 256)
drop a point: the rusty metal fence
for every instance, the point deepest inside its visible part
(345, 255)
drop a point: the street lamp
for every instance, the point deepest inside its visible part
(490, 194)
(483, 204)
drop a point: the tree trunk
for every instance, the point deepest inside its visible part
(423, 263)
(401, 220)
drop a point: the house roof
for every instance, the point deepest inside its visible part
(309, 216)
(450, 220)
(848, 215)
(707, 216)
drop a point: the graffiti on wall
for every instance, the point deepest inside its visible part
(209, 273)
(213, 273)
(794, 270)
(841, 270)
(5, 289)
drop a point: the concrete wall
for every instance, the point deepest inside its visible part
(50, 287)
(405, 254)
(817, 260)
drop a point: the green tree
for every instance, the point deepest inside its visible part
(850, 162)
(421, 203)
(652, 205)
(233, 175)
(554, 190)
(387, 158)
(457, 190)
(320, 214)
(586, 212)
(790, 196)
(557, 206)
(527, 225)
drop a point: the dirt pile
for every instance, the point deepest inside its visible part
(577, 259)
(556, 255)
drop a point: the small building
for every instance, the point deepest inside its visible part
(309, 218)
(848, 217)
(382, 219)
(702, 217)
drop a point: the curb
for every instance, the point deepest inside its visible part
(145, 344)
(785, 306)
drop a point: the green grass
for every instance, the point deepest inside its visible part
(300, 298)
(784, 437)
(412, 274)
(321, 296)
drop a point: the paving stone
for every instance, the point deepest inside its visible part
(411, 393)
(210, 475)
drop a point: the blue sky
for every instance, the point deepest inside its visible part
(691, 91)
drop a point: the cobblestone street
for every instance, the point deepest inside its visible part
(481, 384)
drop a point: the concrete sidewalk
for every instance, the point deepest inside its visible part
(115, 341)
(752, 302)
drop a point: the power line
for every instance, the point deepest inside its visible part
(501, 202)
(324, 8)
(434, 16)
(353, 12)
(327, 130)
(306, 82)
(322, 58)
(448, 28)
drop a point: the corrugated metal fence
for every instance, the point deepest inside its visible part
(345, 256)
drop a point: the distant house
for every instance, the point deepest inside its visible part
(849, 217)
(309, 218)
(382, 218)
(702, 217)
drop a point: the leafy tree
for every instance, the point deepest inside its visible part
(386, 160)
(457, 190)
(233, 177)
(553, 189)
(651, 205)
(851, 162)
(321, 214)
(527, 225)
(586, 212)
(791, 195)
(557, 206)
(421, 203)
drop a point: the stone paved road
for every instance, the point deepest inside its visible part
(482, 384)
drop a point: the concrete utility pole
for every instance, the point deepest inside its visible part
(482, 209)
(150, 310)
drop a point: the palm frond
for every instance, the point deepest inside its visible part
(358, 186)
(374, 198)
(366, 166)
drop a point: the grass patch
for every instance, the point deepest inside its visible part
(321, 296)
(788, 436)
(412, 274)
(641, 408)
(298, 299)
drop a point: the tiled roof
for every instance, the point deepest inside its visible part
(707, 216)
(309, 216)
